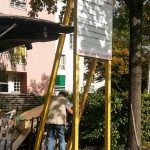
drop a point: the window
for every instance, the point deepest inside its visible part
(3, 81)
(71, 41)
(21, 4)
(62, 64)
(60, 82)
(20, 54)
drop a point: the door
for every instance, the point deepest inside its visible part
(17, 83)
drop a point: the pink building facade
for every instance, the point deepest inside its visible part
(34, 76)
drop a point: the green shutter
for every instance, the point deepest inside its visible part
(60, 80)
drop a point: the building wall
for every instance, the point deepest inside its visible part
(39, 59)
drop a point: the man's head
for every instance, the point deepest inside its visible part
(64, 93)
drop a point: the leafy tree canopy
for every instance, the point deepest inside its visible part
(121, 21)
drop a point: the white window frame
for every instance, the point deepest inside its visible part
(59, 88)
(4, 82)
(71, 41)
(20, 4)
(62, 64)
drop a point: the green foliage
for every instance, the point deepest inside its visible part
(100, 69)
(119, 119)
(120, 25)
(145, 120)
(39, 5)
(92, 124)
(146, 23)
(120, 69)
(2, 105)
(51, 6)
(15, 59)
(20, 119)
(41, 99)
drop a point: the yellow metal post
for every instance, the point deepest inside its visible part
(84, 97)
(75, 85)
(76, 105)
(108, 103)
(108, 106)
(53, 77)
(88, 84)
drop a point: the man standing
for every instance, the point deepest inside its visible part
(56, 120)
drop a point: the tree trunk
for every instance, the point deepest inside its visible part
(135, 71)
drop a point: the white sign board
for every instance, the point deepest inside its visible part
(94, 28)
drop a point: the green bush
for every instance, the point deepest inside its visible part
(41, 99)
(145, 120)
(2, 105)
(92, 122)
(20, 119)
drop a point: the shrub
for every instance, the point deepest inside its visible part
(92, 123)
(145, 120)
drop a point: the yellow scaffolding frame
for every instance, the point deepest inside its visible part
(74, 144)
(85, 94)
(53, 77)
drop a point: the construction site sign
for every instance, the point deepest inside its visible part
(94, 28)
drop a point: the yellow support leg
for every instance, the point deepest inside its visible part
(84, 97)
(108, 106)
(75, 85)
(53, 77)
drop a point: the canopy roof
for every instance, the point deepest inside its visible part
(18, 30)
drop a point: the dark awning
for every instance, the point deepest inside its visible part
(18, 30)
